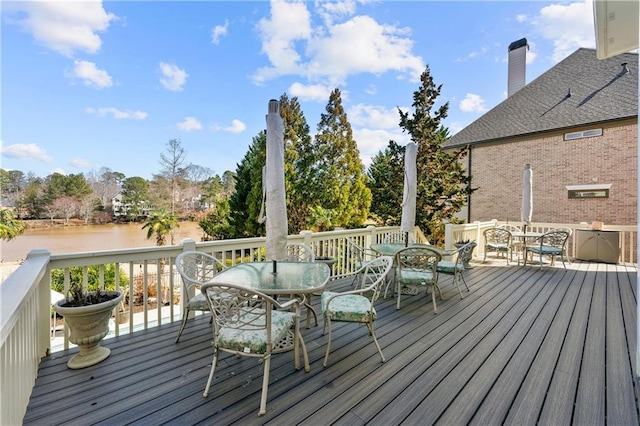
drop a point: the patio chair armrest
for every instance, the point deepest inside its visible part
(289, 303)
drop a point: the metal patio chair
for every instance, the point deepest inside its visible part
(417, 267)
(357, 305)
(195, 269)
(245, 328)
(498, 240)
(552, 243)
(457, 267)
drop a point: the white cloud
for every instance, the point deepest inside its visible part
(312, 92)
(117, 114)
(568, 26)
(374, 116)
(472, 103)
(455, 127)
(90, 75)
(189, 124)
(173, 78)
(289, 23)
(372, 141)
(23, 151)
(80, 163)
(63, 26)
(218, 31)
(532, 53)
(237, 126)
(332, 10)
(333, 51)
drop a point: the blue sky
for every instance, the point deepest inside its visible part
(98, 84)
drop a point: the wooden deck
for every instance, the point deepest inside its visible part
(525, 346)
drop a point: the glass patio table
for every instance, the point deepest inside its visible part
(302, 278)
(290, 278)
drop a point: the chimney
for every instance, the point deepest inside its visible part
(517, 66)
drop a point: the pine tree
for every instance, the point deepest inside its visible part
(245, 202)
(386, 177)
(443, 186)
(298, 162)
(339, 182)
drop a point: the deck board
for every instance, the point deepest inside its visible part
(524, 346)
(590, 400)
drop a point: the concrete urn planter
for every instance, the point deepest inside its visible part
(88, 325)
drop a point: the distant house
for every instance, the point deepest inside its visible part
(121, 209)
(577, 125)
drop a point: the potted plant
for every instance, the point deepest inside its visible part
(462, 243)
(87, 314)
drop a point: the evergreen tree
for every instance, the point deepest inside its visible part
(135, 194)
(298, 162)
(33, 200)
(386, 177)
(339, 181)
(229, 182)
(216, 222)
(245, 202)
(443, 186)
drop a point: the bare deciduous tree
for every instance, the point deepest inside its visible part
(171, 163)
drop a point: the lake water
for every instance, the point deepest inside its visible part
(73, 239)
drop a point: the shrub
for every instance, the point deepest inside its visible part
(93, 277)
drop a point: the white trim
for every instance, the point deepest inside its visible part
(588, 187)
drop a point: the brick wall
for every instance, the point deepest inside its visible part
(612, 158)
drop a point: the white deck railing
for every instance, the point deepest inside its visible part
(474, 231)
(25, 300)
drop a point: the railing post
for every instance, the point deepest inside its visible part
(188, 244)
(370, 237)
(306, 238)
(448, 236)
(44, 304)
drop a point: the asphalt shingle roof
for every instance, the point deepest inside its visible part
(578, 91)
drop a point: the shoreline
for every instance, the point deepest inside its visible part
(60, 223)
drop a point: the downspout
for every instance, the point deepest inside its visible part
(469, 195)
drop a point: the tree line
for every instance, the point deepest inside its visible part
(326, 183)
(185, 189)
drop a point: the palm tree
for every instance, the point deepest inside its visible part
(160, 223)
(10, 227)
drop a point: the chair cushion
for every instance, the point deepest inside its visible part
(408, 276)
(448, 267)
(498, 246)
(350, 307)
(199, 302)
(546, 250)
(255, 341)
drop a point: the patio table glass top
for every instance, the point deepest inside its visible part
(289, 278)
